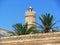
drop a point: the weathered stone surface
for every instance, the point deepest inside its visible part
(32, 39)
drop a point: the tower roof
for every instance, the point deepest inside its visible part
(30, 10)
(30, 7)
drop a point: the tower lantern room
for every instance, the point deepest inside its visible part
(30, 17)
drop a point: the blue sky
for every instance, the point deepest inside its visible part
(12, 11)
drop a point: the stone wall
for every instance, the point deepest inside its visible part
(32, 39)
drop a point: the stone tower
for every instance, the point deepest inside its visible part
(30, 17)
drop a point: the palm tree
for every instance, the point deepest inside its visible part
(47, 23)
(23, 29)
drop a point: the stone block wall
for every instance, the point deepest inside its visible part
(32, 39)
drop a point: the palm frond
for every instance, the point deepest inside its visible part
(55, 23)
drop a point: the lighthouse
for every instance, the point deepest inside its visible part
(30, 17)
